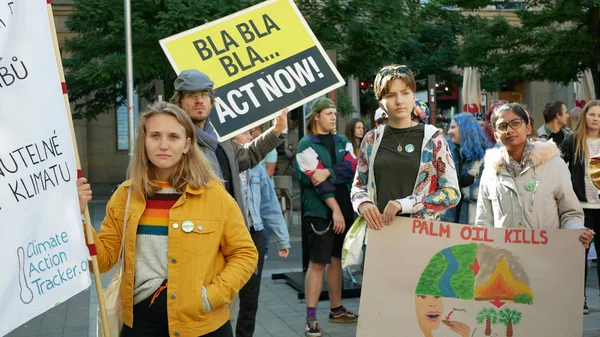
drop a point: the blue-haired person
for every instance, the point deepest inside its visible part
(468, 144)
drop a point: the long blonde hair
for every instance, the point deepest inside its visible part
(581, 149)
(193, 168)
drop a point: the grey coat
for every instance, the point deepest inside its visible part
(504, 201)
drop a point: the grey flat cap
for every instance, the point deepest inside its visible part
(193, 80)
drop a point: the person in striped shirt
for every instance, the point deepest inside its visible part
(187, 251)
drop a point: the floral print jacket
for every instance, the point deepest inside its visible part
(436, 187)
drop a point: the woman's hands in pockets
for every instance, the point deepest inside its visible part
(84, 191)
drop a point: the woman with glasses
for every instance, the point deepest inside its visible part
(525, 184)
(427, 182)
(577, 149)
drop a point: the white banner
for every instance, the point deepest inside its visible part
(44, 258)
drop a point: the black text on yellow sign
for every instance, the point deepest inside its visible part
(262, 60)
(249, 32)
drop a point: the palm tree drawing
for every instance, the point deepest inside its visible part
(489, 316)
(510, 318)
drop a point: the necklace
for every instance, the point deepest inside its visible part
(409, 148)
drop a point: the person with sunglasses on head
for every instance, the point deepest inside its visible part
(428, 183)
(578, 149)
(525, 184)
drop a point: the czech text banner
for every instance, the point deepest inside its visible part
(44, 257)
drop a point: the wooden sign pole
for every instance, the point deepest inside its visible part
(88, 223)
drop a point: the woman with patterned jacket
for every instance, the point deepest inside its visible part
(428, 183)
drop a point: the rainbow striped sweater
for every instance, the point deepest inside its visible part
(152, 243)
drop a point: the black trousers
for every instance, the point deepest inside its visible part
(152, 321)
(592, 218)
(246, 321)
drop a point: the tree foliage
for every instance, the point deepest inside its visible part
(95, 65)
(487, 313)
(554, 42)
(510, 316)
(369, 34)
(366, 34)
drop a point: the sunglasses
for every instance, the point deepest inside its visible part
(395, 71)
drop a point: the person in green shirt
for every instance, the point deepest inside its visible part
(325, 166)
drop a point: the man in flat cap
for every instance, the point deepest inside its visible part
(195, 95)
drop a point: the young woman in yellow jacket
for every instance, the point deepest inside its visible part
(187, 250)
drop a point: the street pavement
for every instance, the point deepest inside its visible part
(280, 313)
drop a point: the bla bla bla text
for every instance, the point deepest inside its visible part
(480, 234)
(249, 32)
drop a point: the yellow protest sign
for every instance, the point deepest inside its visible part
(262, 60)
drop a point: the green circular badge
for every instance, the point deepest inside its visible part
(530, 186)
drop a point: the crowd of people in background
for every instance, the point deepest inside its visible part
(208, 208)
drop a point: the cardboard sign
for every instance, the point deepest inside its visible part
(262, 60)
(44, 257)
(426, 278)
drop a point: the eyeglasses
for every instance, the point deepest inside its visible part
(514, 124)
(395, 71)
(194, 95)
